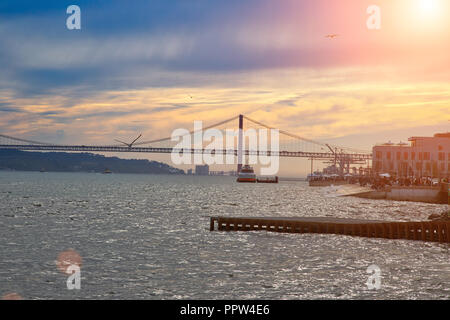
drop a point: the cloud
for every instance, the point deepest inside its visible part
(151, 43)
(8, 107)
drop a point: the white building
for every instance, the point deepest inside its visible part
(423, 157)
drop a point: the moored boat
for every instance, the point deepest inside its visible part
(326, 183)
(246, 174)
(267, 179)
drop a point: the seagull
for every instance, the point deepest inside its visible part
(331, 36)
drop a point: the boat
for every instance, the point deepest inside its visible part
(325, 180)
(107, 171)
(246, 174)
(267, 179)
(326, 183)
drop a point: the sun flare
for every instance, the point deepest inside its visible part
(429, 8)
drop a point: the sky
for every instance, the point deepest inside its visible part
(153, 66)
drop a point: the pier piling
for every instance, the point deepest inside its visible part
(437, 231)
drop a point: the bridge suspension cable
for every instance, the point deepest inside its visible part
(322, 144)
(26, 141)
(187, 134)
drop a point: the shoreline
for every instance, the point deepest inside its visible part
(426, 194)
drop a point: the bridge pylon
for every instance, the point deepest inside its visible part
(240, 143)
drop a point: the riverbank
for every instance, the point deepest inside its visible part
(427, 194)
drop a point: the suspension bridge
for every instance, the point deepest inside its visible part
(290, 146)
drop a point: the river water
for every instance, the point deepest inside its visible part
(147, 237)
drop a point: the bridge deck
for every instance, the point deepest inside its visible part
(338, 153)
(435, 231)
(289, 154)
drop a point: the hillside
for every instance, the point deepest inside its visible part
(78, 162)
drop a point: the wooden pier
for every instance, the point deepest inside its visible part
(434, 231)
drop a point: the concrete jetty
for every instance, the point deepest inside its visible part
(433, 231)
(417, 194)
(427, 194)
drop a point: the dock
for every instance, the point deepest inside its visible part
(432, 231)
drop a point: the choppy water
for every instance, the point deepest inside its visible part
(147, 237)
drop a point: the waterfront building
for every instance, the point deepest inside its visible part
(421, 157)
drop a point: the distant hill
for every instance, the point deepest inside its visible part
(78, 162)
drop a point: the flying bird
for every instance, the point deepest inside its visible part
(331, 36)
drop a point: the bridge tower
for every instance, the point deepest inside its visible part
(240, 142)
